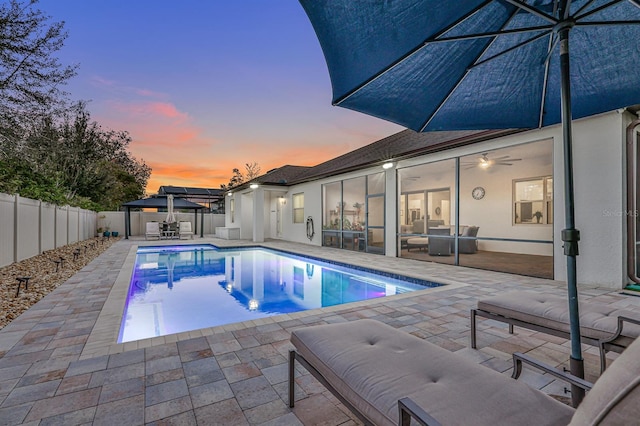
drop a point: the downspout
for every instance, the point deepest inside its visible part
(631, 201)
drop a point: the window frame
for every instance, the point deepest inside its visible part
(295, 209)
(547, 201)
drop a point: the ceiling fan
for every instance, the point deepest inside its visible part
(484, 162)
(411, 178)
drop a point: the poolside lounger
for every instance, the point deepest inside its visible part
(604, 326)
(184, 229)
(153, 230)
(386, 376)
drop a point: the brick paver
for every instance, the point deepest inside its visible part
(59, 363)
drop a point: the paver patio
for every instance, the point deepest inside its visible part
(59, 363)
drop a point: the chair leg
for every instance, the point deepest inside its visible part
(603, 358)
(292, 359)
(473, 328)
(510, 328)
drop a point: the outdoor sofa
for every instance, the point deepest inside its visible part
(601, 325)
(386, 376)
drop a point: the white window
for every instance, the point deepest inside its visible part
(298, 208)
(533, 201)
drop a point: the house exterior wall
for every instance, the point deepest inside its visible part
(599, 179)
(312, 207)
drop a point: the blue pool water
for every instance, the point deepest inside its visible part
(183, 288)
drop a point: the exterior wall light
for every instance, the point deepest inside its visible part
(229, 194)
(387, 165)
(254, 186)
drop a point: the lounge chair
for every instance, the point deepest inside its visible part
(153, 230)
(386, 377)
(600, 325)
(184, 229)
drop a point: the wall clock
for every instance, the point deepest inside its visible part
(478, 193)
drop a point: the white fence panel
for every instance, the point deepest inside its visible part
(7, 229)
(47, 226)
(61, 226)
(29, 227)
(28, 243)
(72, 224)
(87, 225)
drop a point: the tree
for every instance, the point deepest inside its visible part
(252, 171)
(74, 156)
(30, 74)
(50, 149)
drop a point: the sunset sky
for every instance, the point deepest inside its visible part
(206, 86)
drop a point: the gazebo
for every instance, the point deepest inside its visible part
(160, 203)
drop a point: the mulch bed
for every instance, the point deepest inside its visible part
(46, 271)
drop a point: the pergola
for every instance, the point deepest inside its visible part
(159, 203)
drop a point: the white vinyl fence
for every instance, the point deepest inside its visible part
(29, 227)
(115, 221)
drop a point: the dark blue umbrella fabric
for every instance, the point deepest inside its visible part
(472, 64)
(486, 64)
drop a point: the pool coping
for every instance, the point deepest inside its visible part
(103, 338)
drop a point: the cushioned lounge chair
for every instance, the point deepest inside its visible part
(601, 325)
(386, 377)
(184, 229)
(153, 230)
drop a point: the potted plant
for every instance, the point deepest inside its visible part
(99, 231)
(106, 232)
(538, 216)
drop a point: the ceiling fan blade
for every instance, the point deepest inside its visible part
(500, 158)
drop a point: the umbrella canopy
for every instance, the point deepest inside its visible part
(477, 64)
(485, 64)
(171, 218)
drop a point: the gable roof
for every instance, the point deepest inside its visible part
(399, 146)
(282, 175)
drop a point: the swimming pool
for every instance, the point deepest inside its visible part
(183, 288)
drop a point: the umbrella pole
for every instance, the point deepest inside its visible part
(570, 235)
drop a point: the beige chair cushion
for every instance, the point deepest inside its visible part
(418, 241)
(615, 397)
(406, 229)
(373, 365)
(597, 321)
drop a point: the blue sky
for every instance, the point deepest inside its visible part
(206, 86)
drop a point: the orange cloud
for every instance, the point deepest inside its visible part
(151, 109)
(191, 175)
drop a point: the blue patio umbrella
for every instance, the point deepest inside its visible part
(485, 64)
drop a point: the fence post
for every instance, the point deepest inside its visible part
(16, 214)
(39, 226)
